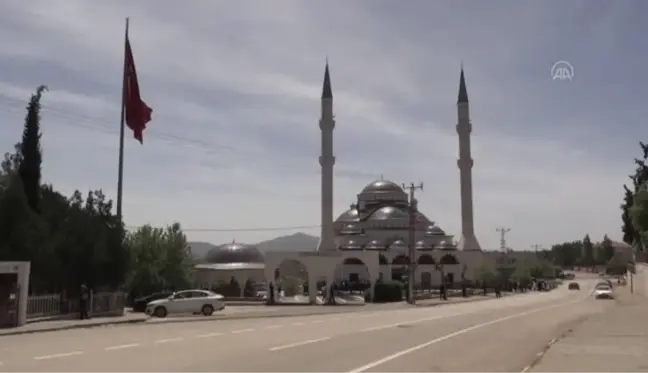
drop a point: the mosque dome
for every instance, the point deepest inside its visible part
(434, 230)
(398, 245)
(388, 213)
(382, 186)
(351, 244)
(375, 245)
(350, 215)
(350, 229)
(234, 253)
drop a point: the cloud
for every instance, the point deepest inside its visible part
(235, 90)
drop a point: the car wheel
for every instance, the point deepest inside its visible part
(207, 310)
(160, 312)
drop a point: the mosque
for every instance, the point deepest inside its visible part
(369, 241)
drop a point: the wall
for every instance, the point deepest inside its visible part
(640, 279)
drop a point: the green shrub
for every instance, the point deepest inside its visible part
(391, 291)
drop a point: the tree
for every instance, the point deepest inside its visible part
(638, 213)
(607, 250)
(30, 150)
(630, 235)
(486, 273)
(523, 274)
(588, 251)
(159, 259)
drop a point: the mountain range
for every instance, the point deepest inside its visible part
(294, 242)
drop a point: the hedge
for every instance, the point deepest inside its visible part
(390, 291)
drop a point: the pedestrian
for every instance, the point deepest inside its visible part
(84, 296)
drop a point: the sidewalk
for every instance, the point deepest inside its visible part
(614, 341)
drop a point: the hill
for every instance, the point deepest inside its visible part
(294, 242)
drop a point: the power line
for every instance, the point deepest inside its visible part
(225, 230)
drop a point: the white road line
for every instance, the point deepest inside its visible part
(273, 327)
(335, 319)
(302, 343)
(454, 334)
(208, 335)
(55, 356)
(298, 324)
(168, 340)
(121, 347)
(317, 321)
(242, 331)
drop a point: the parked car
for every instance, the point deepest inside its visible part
(603, 291)
(573, 286)
(139, 304)
(187, 302)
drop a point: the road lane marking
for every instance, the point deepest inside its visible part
(302, 343)
(317, 321)
(121, 347)
(168, 340)
(273, 326)
(298, 324)
(208, 335)
(418, 321)
(56, 356)
(242, 331)
(455, 334)
(335, 319)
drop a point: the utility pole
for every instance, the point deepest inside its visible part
(536, 248)
(412, 239)
(503, 231)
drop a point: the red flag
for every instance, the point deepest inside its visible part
(136, 111)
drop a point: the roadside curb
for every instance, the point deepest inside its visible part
(141, 322)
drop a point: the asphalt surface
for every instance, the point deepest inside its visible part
(492, 335)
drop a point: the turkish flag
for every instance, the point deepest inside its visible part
(136, 111)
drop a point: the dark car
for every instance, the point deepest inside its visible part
(139, 304)
(573, 286)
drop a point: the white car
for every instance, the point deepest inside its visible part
(603, 292)
(187, 302)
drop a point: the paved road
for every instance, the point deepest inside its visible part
(492, 335)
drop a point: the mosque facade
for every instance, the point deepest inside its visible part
(369, 241)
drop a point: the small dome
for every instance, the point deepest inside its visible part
(434, 230)
(350, 229)
(351, 244)
(388, 213)
(375, 245)
(382, 186)
(398, 244)
(350, 215)
(234, 253)
(423, 245)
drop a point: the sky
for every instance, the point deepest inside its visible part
(235, 87)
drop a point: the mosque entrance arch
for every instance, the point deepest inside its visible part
(399, 267)
(352, 277)
(290, 282)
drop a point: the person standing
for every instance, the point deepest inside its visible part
(84, 297)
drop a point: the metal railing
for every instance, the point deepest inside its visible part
(54, 305)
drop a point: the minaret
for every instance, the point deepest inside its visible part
(468, 240)
(327, 160)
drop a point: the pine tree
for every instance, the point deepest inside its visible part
(30, 148)
(588, 251)
(630, 234)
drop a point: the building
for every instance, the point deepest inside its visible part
(369, 241)
(238, 261)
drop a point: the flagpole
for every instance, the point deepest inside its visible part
(120, 177)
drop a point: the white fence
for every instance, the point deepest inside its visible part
(53, 305)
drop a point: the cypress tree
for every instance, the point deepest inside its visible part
(30, 148)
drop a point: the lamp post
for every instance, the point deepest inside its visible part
(413, 212)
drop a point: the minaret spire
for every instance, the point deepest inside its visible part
(463, 92)
(327, 162)
(327, 92)
(468, 241)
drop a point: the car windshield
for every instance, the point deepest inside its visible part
(603, 287)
